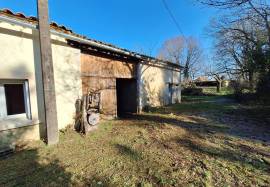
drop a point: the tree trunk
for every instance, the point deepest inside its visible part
(218, 86)
(186, 73)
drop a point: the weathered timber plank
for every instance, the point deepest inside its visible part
(105, 67)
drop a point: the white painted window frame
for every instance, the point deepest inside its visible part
(17, 120)
(3, 109)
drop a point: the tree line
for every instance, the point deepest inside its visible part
(241, 35)
(242, 41)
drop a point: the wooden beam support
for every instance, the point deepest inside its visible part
(52, 136)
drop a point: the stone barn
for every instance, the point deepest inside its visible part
(127, 81)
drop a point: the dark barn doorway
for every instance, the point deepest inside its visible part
(126, 90)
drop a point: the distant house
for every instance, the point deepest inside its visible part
(205, 82)
(127, 81)
(201, 79)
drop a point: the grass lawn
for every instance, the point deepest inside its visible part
(213, 90)
(205, 141)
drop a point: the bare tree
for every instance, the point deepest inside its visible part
(224, 3)
(193, 58)
(241, 37)
(183, 51)
(173, 50)
(219, 78)
(235, 46)
(256, 11)
(213, 71)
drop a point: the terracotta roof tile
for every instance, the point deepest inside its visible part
(32, 19)
(7, 11)
(20, 15)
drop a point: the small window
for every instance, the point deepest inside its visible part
(14, 98)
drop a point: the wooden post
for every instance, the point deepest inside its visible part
(47, 73)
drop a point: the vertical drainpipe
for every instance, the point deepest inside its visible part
(139, 84)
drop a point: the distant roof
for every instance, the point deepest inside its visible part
(201, 79)
(64, 29)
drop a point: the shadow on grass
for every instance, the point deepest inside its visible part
(25, 169)
(237, 153)
(198, 125)
(128, 151)
(249, 122)
(225, 154)
(227, 123)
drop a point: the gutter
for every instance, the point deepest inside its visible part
(17, 22)
(86, 41)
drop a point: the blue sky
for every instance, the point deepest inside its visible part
(138, 25)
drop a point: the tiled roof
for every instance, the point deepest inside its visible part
(32, 19)
(64, 29)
